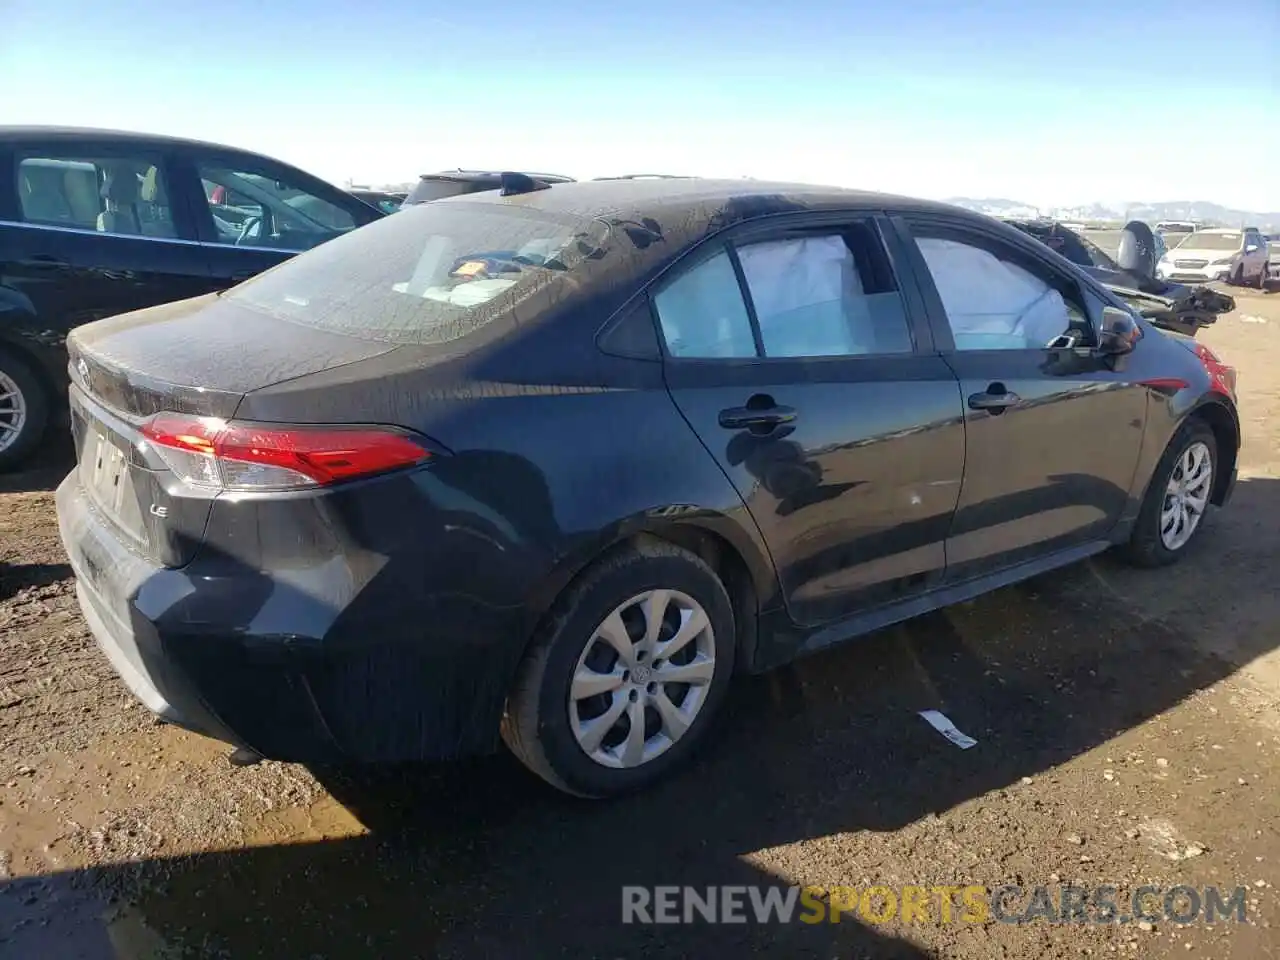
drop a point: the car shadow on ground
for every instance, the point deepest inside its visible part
(46, 468)
(479, 859)
(15, 576)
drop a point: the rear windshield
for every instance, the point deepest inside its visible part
(427, 189)
(1211, 241)
(430, 274)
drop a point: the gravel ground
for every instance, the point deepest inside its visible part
(1127, 732)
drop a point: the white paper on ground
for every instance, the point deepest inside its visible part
(948, 729)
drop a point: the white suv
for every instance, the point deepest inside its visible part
(1236, 256)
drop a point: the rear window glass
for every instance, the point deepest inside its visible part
(426, 190)
(430, 274)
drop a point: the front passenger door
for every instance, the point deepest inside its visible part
(1053, 430)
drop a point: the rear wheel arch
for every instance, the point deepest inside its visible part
(750, 586)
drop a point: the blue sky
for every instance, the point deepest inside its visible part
(1047, 102)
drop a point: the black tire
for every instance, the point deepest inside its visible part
(35, 399)
(1145, 547)
(1237, 276)
(1262, 276)
(536, 724)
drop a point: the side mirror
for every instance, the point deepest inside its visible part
(1119, 332)
(1251, 248)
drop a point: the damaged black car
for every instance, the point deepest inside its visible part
(1174, 306)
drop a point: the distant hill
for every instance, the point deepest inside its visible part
(1211, 214)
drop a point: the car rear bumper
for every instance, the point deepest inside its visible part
(264, 680)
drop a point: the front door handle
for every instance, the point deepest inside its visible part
(740, 418)
(996, 399)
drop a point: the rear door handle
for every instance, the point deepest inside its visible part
(994, 401)
(739, 418)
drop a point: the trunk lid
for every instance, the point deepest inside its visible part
(197, 357)
(200, 356)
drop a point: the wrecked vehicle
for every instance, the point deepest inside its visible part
(1174, 306)
(548, 465)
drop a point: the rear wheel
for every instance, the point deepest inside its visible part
(1178, 498)
(622, 683)
(24, 410)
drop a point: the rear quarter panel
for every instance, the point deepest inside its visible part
(548, 464)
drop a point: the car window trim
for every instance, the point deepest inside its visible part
(1088, 296)
(100, 234)
(778, 227)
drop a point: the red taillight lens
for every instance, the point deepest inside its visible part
(252, 456)
(1223, 376)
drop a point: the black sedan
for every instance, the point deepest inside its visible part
(551, 464)
(99, 222)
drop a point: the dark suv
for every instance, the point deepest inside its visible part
(95, 223)
(454, 183)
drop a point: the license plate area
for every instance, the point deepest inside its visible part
(106, 473)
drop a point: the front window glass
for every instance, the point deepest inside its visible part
(432, 273)
(250, 209)
(993, 302)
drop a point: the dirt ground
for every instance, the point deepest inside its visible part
(1127, 732)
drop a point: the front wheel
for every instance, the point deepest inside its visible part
(623, 682)
(1178, 498)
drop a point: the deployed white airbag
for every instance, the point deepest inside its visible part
(804, 291)
(991, 303)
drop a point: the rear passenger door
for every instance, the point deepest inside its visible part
(797, 359)
(1053, 430)
(94, 233)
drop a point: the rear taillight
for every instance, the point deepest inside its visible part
(1223, 376)
(228, 455)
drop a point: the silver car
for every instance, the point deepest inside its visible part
(1235, 256)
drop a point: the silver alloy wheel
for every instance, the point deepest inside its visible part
(13, 411)
(642, 678)
(1186, 497)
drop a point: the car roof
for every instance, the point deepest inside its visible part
(119, 137)
(641, 197)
